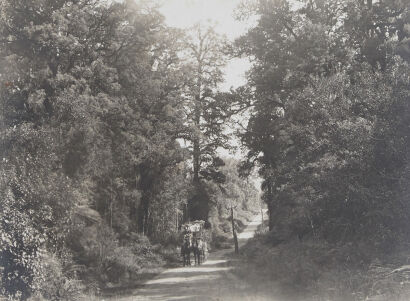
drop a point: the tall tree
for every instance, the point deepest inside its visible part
(205, 56)
(205, 110)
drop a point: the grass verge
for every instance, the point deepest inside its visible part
(315, 270)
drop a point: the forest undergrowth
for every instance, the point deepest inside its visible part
(314, 270)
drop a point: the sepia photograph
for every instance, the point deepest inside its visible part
(195, 150)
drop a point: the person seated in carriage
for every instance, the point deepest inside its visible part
(186, 229)
(193, 242)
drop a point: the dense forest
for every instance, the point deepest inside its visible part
(329, 129)
(112, 122)
(96, 100)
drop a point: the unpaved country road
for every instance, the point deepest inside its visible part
(213, 280)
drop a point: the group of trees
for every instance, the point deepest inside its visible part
(330, 119)
(95, 99)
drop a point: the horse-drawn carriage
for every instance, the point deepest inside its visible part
(193, 242)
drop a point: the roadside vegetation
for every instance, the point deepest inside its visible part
(317, 270)
(330, 131)
(97, 99)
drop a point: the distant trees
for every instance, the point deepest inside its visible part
(239, 196)
(235, 196)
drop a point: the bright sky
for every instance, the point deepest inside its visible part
(185, 13)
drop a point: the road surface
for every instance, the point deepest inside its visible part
(213, 280)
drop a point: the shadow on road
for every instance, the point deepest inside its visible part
(212, 280)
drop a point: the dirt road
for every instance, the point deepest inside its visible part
(213, 280)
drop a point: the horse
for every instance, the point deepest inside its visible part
(204, 251)
(186, 249)
(199, 249)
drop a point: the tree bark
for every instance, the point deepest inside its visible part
(235, 237)
(196, 155)
(270, 207)
(197, 121)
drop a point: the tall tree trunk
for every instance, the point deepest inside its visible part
(143, 215)
(270, 206)
(197, 121)
(270, 216)
(196, 162)
(195, 208)
(235, 237)
(146, 221)
(176, 219)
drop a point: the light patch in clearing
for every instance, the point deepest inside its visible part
(165, 297)
(184, 280)
(200, 270)
(212, 262)
(249, 231)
